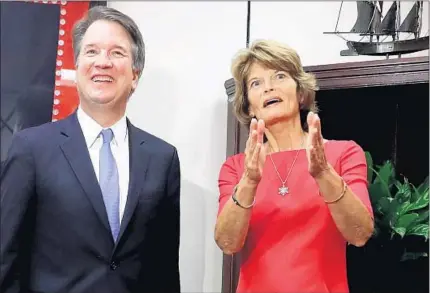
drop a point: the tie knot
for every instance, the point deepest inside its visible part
(107, 135)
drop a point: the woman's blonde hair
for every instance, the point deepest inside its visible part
(274, 55)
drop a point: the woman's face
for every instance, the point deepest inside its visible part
(272, 94)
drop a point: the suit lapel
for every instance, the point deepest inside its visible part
(139, 161)
(76, 152)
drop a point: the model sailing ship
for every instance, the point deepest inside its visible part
(371, 26)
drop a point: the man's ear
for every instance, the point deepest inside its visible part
(135, 80)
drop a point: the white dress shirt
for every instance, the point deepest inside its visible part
(120, 150)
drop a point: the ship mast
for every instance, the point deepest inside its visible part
(396, 37)
(398, 20)
(420, 19)
(370, 23)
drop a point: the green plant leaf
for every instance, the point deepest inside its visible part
(413, 255)
(424, 186)
(405, 221)
(400, 231)
(419, 230)
(393, 215)
(377, 191)
(418, 191)
(388, 206)
(400, 207)
(383, 205)
(403, 209)
(403, 193)
(369, 162)
(423, 217)
(421, 202)
(384, 179)
(385, 173)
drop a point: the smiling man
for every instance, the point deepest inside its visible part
(91, 203)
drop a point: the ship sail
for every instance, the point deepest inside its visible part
(388, 25)
(368, 18)
(369, 22)
(411, 22)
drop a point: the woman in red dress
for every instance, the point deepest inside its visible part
(293, 200)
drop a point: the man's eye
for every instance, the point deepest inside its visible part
(117, 53)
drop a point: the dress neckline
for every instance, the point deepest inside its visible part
(326, 142)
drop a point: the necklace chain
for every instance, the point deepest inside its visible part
(283, 190)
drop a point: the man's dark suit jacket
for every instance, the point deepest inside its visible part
(55, 235)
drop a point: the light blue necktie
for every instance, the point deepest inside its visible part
(109, 182)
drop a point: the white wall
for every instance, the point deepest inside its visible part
(301, 25)
(181, 98)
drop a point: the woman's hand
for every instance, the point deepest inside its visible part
(317, 162)
(255, 152)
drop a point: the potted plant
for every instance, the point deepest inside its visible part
(400, 208)
(397, 253)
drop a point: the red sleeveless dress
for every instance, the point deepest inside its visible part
(293, 244)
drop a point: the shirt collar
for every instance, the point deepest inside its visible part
(91, 129)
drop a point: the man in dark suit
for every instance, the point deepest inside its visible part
(90, 203)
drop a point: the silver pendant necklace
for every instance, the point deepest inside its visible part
(283, 189)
